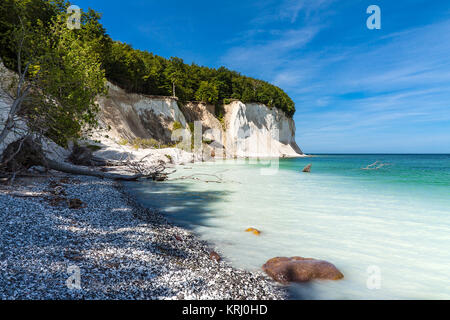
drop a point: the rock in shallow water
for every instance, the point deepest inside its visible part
(298, 269)
(256, 232)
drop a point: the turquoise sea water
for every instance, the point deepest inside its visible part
(389, 226)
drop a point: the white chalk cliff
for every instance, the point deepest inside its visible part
(247, 130)
(254, 130)
(131, 116)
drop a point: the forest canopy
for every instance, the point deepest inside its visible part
(141, 71)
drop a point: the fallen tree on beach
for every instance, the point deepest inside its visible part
(25, 153)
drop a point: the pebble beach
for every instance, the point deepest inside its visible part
(53, 227)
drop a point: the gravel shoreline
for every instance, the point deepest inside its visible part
(122, 250)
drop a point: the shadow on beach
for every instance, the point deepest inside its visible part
(179, 204)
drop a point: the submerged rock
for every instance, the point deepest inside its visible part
(298, 269)
(256, 232)
(307, 168)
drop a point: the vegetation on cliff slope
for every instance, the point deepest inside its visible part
(140, 71)
(59, 71)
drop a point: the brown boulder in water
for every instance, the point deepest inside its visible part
(307, 168)
(298, 269)
(214, 256)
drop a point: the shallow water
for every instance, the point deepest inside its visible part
(395, 218)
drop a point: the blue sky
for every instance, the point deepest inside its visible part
(355, 89)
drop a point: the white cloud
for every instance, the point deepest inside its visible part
(269, 54)
(269, 43)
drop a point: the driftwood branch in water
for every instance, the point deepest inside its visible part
(194, 177)
(375, 166)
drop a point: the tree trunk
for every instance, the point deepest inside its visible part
(58, 166)
(24, 153)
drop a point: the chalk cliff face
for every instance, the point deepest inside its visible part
(246, 130)
(6, 76)
(254, 130)
(132, 116)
